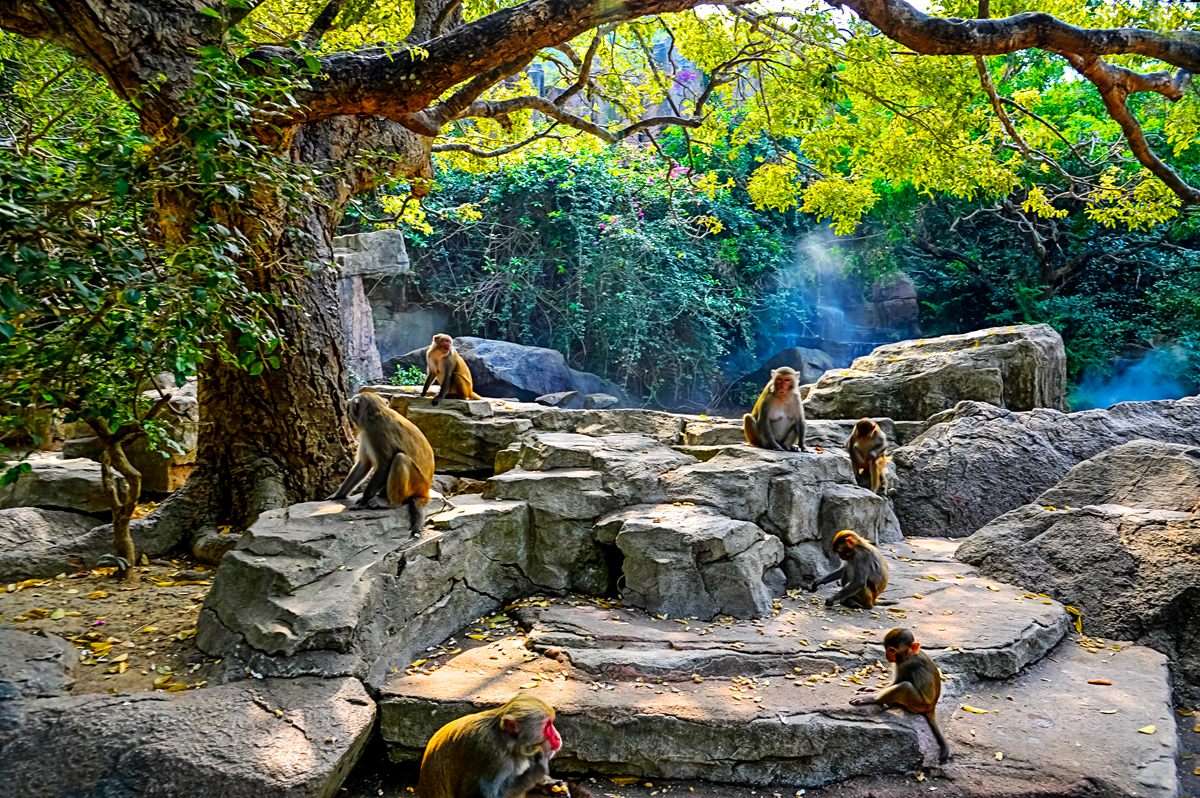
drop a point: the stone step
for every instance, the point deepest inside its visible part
(753, 702)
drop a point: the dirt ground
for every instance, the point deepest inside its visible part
(130, 636)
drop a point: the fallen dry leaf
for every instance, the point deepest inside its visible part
(1151, 729)
(976, 710)
(1099, 681)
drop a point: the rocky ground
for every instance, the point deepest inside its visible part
(130, 636)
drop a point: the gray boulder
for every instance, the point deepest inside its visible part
(809, 363)
(274, 738)
(564, 399)
(1119, 539)
(58, 483)
(35, 666)
(1019, 368)
(36, 542)
(978, 461)
(319, 589)
(600, 401)
(688, 561)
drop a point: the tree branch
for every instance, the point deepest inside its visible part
(1115, 84)
(397, 84)
(323, 23)
(928, 35)
(455, 146)
(31, 19)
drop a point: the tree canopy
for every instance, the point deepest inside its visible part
(255, 125)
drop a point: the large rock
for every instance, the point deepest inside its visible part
(1019, 368)
(810, 364)
(273, 738)
(58, 483)
(979, 461)
(36, 542)
(35, 666)
(1119, 539)
(318, 589)
(166, 470)
(466, 436)
(503, 369)
(688, 561)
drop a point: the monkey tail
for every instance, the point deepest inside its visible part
(474, 396)
(943, 748)
(886, 602)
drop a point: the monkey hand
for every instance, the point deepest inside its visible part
(829, 602)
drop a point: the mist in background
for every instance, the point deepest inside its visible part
(1154, 375)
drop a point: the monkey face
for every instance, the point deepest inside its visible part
(784, 385)
(551, 739)
(443, 341)
(864, 427)
(890, 653)
(845, 544)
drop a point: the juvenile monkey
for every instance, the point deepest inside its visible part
(446, 365)
(863, 574)
(398, 452)
(916, 685)
(500, 753)
(868, 455)
(777, 420)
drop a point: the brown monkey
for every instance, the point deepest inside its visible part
(864, 573)
(868, 455)
(916, 685)
(446, 365)
(398, 452)
(777, 420)
(500, 753)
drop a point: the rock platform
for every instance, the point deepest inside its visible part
(765, 702)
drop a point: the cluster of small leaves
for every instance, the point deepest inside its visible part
(409, 375)
(613, 258)
(100, 290)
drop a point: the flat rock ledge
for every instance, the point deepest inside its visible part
(264, 738)
(765, 702)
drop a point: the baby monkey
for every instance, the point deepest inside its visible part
(916, 685)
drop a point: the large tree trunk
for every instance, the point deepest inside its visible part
(283, 436)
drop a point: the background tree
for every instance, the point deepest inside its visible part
(388, 82)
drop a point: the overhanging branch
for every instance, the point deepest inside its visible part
(397, 84)
(928, 35)
(1115, 84)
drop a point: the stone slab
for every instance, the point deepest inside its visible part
(273, 738)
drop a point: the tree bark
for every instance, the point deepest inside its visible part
(282, 437)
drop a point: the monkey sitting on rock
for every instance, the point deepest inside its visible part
(867, 446)
(916, 685)
(397, 454)
(777, 420)
(499, 753)
(863, 574)
(444, 364)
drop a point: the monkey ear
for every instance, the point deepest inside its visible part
(914, 648)
(509, 724)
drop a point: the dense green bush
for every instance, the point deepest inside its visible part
(623, 264)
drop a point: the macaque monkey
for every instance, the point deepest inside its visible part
(777, 420)
(864, 573)
(398, 452)
(868, 455)
(446, 365)
(500, 753)
(916, 686)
